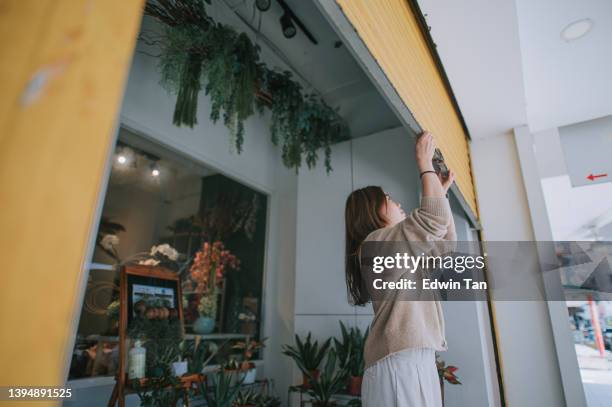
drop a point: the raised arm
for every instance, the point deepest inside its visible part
(433, 219)
(433, 185)
(434, 215)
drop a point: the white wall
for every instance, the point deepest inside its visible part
(385, 159)
(377, 160)
(279, 285)
(529, 363)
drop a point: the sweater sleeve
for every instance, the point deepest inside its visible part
(430, 221)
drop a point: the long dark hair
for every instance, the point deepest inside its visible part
(362, 216)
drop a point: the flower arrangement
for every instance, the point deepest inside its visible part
(109, 243)
(208, 305)
(210, 265)
(165, 250)
(108, 238)
(206, 274)
(160, 254)
(248, 350)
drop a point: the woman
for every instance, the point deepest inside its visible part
(404, 335)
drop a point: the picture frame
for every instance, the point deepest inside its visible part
(136, 282)
(147, 284)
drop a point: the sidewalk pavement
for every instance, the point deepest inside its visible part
(596, 373)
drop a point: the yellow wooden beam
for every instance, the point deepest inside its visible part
(62, 74)
(392, 34)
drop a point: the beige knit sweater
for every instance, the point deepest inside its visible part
(398, 325)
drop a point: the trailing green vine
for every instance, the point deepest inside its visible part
(198, 53)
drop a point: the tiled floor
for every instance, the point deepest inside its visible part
(596, 373)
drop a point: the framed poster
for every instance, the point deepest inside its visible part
(159, 290)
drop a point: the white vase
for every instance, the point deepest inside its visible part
(249, 376)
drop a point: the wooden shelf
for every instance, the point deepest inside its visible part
(191, 337)
(101, 266)
(216, 336)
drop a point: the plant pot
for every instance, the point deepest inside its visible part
(249, 376)
(204, 325)
(306, 381)
(322, 404)
(179, 368)
(442, 390)
(354, 387)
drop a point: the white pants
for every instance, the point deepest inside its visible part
(408, 378)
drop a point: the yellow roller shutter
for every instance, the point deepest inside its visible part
(391, 32)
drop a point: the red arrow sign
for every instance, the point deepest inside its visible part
(592, 177)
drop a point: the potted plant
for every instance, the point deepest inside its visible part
(206, 274)
(198, 355)
(308, 356)
(266, 400)
(350, 355)
(207, 311)
(158, 391)
(247, 369)
(446, 373)
(330, 381)
(246, 399)
(222, 392)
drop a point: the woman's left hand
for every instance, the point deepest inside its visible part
(447, 181)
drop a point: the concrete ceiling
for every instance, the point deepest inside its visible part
(141, 154)
(478, 42)
(565, 82)
(509, 66)
(329, 69)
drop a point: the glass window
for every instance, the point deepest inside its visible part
(162, 209)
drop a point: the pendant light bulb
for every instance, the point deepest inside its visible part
(155, 170)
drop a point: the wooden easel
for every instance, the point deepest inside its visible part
(120, 389)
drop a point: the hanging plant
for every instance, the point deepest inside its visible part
(231, 73)
(184, 50)
(198, 53)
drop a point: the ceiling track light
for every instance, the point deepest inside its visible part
(263, 5)
(287, 25)
(287, 20)
(124, 155)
